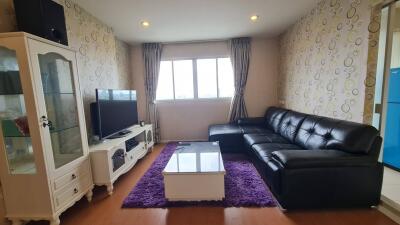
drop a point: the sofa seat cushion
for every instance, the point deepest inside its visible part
(251, 139)
(255, 130)
(291, 159)
(264, 151)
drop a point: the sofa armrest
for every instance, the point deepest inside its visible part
(251, 121)
(293, 159)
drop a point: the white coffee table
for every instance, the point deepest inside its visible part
(195, 172)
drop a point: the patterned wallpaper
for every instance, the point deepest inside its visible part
(123, 64)
(103, 60)
(324, 61)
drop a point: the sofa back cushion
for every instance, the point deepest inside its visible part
(273, 117)
(313, 133)
(290, 124)
(326, 133)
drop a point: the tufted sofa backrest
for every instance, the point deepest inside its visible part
(317, 132)
(290, 124)
(273, 117)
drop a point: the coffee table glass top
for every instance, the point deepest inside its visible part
(196, 157)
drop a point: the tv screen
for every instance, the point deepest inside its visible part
(114, 111)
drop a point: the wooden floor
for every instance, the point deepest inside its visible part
(106, 210)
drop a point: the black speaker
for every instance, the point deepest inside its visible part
(43, 18)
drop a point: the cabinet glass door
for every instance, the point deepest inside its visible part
(13, 116)
(61, 107)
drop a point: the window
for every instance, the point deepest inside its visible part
(183, 79)
(195, 78)
(165, 81)
(207, 78)
(225, 78)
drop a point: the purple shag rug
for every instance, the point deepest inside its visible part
(243, 186)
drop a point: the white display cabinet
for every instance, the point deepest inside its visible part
(44, 159)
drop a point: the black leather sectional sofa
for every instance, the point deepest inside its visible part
(309, 161)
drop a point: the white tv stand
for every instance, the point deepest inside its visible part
(110, 159)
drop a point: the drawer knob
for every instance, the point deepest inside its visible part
(75, 190)
(73, 176)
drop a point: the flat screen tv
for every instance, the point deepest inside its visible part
(113, 112)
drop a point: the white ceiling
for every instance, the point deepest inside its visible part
(195, 20)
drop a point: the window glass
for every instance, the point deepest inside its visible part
(183, 79)
(207, 78)
(214, 79)
(225, 78)
(165, 87)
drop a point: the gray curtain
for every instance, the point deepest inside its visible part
(152, 60)
(240, 57)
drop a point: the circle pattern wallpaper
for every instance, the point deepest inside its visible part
(324, 60)
(103, 60)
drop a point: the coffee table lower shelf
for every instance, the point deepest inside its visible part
(194, 186)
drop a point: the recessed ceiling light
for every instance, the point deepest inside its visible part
(254, 18)
(145, 24)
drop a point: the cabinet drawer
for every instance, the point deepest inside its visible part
(142, 151)
(138, 152)
(69, 192)
(130, 156)
(72, 175)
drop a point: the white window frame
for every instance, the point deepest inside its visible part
(195, 82)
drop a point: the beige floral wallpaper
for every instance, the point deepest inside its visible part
(123, 63)
(324, 61)
(103, 60)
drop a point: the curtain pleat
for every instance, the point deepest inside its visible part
(152, 60)
(240, 57)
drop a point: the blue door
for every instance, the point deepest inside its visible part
(391, 151)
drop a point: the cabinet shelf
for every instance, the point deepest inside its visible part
(59, 130)
(53, 131)
(27, 167)
(10, 94)
(59, 93)
(15, 136)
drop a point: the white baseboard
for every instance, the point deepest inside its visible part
(390, 209)
(166, 141)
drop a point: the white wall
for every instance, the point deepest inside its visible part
(189, 119)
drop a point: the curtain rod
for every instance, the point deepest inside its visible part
(186, 42)
(198, 41)
(183, 42)
(195, 41)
